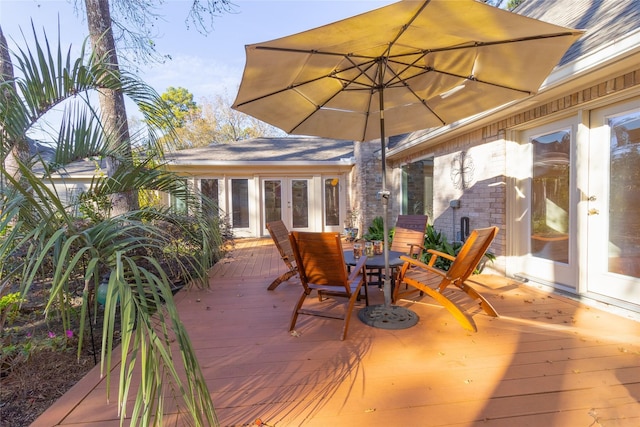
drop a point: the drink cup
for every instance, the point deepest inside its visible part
(368, 249)
(357, 250)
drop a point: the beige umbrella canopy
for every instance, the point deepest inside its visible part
(436, 61)
(407, 66)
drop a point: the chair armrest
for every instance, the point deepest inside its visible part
(360, 266)
(412, 262)
(418, 253)
(442, 254)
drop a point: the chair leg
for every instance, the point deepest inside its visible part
(283, 278)
(294, 315)
(347, 314)
(459, 315)
(486, 305)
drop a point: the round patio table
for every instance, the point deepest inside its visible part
(375, 265)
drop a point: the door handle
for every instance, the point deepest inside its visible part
(593, 211)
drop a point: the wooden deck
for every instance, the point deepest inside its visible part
(547, 361)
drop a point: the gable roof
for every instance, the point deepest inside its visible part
(268, 150)
(604, 21)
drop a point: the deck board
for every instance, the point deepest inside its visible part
(546, 361)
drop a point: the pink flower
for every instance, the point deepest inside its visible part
(52, 335)
(69, 334)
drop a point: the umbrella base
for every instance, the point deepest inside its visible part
(388, 317)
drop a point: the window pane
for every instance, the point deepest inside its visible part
(179, 204)
(209, 189)
(331, 202)
(240, 203)
(272, 200)
(300, 195)
(550, 196)
(417, 188)
(624, 199)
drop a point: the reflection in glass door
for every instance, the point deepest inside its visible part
(550, 196)
(614, 204)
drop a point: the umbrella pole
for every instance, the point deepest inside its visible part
(386, 316)
(384, 193)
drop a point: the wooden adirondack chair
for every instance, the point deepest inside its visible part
(280, 236)
(322, 268)
(449, 288)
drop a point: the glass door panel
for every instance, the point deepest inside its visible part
(624, 195)
(299, 203)
(272, 190)
(331, 202)
(550, 196)
(546, 205)
(614, 204)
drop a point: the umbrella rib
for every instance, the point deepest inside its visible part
(345, 83)
(498, 42)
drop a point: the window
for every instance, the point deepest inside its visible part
(178, 201)
(550, 196)
(331, 202)
(240, 203)
(209, 190)
(417, 188)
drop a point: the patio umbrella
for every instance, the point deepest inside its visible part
(407, 66)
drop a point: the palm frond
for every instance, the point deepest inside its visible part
(135, 249)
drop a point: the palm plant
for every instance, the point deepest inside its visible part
(38, 229)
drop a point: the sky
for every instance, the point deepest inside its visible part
(206, 65)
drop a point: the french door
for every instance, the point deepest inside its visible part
(613, 211)
(288, 199)
(546, 205)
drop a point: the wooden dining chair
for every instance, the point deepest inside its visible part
(408, 236)
(322, 268)
(449, 288)
(280, 236)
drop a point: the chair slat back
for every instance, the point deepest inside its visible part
(409, 231)
(412, 222)
(280, 236)
(320, 259)
(471, 253)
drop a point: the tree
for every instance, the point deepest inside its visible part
(132, 19)
(182, 105)
(512, 4)
(134, 250)
(114, 112)
(210, 122)
(14, 149)
(234, 125)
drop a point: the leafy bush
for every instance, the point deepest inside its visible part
(437, 241)
(433, 239)
(376, 230)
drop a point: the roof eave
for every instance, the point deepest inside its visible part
(285, 163)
